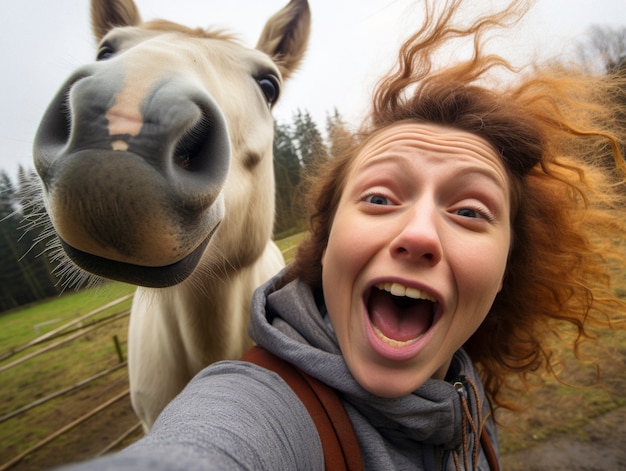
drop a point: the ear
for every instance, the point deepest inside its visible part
(107, 14)
(286, 35)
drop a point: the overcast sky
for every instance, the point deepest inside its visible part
(352, 43)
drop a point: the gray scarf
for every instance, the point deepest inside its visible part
(289, 323)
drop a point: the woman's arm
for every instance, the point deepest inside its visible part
(231, 416)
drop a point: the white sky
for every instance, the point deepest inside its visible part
(352, 43)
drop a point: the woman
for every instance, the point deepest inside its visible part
(465, 224)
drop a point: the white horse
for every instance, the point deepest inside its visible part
(156, 163)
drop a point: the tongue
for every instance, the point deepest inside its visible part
(399, 323)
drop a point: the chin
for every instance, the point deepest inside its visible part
(390, 384)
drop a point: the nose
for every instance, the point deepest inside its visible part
(419, 236)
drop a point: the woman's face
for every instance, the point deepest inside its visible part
(416, 254)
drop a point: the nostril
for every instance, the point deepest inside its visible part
(54, 131)
(188, 150)
(416, 253)
(64, 124)
(202, 147)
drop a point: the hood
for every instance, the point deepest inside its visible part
(292, 324)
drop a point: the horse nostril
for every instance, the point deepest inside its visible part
(54, 131)
(201, 147)
(188, 149)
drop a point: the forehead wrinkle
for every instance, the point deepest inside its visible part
(433, 141)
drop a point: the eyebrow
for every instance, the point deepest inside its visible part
(501, 180)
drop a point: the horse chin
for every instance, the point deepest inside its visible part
(148, 277)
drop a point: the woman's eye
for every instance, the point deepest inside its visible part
(377, 199)
(475, 213)
(468, 213)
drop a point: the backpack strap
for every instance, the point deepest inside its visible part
(489, 450)
(339, 442)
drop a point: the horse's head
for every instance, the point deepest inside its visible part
(163, 146)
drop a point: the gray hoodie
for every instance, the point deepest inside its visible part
(235, 415)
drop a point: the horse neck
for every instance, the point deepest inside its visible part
(208, 313)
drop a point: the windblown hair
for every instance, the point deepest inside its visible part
(560, 132)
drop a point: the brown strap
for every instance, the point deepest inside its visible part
(339, 442)
(490, 452)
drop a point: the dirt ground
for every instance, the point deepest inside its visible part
(574, 428)
(600, 447)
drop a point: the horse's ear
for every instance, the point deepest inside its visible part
(286, 35)
(107, 14)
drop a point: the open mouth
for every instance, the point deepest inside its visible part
(400, 315)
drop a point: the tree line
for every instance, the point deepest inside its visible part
(28, 267)
(26, 273)
(298, 147)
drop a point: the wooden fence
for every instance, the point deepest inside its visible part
(53, 340)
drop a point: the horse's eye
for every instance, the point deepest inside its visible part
(106, 51)
(270, 88)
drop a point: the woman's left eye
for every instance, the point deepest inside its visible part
(475, 213)
(468, 213)
(377, 199)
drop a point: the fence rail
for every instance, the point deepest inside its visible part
(47, 336)
(63, 430)
(61, 342)
(60, 393)
(61, 337)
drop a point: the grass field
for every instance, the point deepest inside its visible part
(552, 409)
(59, 368)
(19, 326)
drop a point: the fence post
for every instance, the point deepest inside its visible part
(118, 348)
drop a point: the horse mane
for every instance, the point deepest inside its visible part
(166, 25)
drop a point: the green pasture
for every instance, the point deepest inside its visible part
(18, 327)
(61, 366)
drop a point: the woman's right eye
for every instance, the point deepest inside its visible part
(377, 199)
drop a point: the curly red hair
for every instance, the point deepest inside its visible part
(559, 133)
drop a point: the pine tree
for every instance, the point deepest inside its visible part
(25, 275)
(310, 143)
(9, 280)
(340, 137)
(287, 174)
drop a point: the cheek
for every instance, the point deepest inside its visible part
(335, 251)
(480, 277)
(340, 268)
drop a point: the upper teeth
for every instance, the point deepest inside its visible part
(400, 290)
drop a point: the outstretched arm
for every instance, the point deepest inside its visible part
(231, 416)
